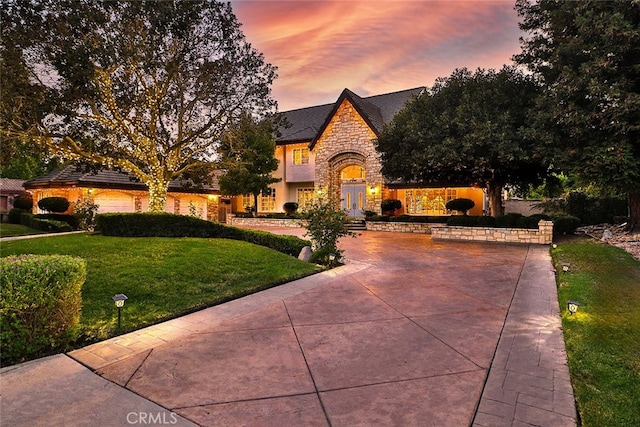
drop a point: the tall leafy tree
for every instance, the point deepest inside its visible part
(586, 54)
(469, 129)
(247, 153)
(145, 86)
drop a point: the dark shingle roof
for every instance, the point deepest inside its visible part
(72, 176)
(8, 185)
(378, 110)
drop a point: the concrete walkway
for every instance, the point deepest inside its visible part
(408, 332)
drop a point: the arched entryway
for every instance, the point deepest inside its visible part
(353, 190)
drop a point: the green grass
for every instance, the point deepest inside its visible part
(603, 337)
(163, 277)
(8, 230)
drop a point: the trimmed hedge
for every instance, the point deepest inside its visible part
(72, 220)
(408, 218)
(37, 223)
(39, 305)
(54, 204)
(565, 224)
(170, 225)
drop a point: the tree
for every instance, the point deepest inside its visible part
(247, 153)
(586, 55)
(144, 86)
(469, 129)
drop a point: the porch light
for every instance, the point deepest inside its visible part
(566, 267)
(572, 306)
(119, 301)
(373, 190)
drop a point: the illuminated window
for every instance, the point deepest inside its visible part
(300, 156)
(353, 172)
(428, 201)
(268, 200)
(305, 197)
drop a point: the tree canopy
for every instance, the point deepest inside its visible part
(144, 86)
(468, 129)
(586, 55)
(247, 153)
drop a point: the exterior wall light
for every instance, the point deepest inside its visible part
(572, 306)
(566, 267)
(119, 301)
(373, 190)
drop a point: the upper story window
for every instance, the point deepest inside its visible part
(300, 156)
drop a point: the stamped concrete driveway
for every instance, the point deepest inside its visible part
(403, 335)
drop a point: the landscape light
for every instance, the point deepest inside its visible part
(566, 266)
(572, 306)
(332, 257)
(119, 301)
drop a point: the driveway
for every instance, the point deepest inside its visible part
(410, 332)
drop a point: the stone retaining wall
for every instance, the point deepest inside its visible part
(399, 227)
(543, 235)
(263, 222)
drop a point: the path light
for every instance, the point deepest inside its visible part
(119, 301)
(566, 266)
(332, 257)
(555, 246)
(572, 306)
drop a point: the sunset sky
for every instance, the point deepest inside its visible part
(374, 47)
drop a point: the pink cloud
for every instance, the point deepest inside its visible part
(321, 47)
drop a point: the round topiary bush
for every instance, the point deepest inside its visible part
(23, 202)
(54, 204)
(460, 205)
(390, 205)
(290, 208)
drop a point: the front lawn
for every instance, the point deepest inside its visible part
(163, 277)
(8, 230)
(603, 337)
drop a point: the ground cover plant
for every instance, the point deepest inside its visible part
(603, 337)
(163, 277)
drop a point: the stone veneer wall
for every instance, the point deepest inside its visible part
(543, 235)
(348, 140)
(263, 222)
(399, 227)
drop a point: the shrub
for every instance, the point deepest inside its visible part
(32, 221)
(326, 223)
(509, 220)
(85, 210)
(378, 218)
(39, 305)
(486, 221)
(595, 210)
(15, 214)
(72, 220)
(169, 225)
(290, 208)
(565, 224)
(463, 220)
(23, 202)
(390, 205)
(54, 204)
(460, 205)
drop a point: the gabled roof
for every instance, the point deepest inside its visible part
(307, 124)
(71, 176)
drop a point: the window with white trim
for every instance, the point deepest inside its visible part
(268, 200)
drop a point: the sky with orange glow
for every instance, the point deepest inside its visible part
(372, 47)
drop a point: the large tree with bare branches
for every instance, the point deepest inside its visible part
(148, 87)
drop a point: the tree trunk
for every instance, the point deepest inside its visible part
(494, 191)
(634, 210)
(255, 205)
(157, 194)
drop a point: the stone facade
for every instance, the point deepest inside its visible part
(399, 227)
(263, 222)
(347, 141)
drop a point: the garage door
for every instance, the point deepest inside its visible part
(114, 202)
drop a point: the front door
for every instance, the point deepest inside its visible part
(353, 199)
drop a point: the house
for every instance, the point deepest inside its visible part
(9, 190)
(329, 148)
(116, 191)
